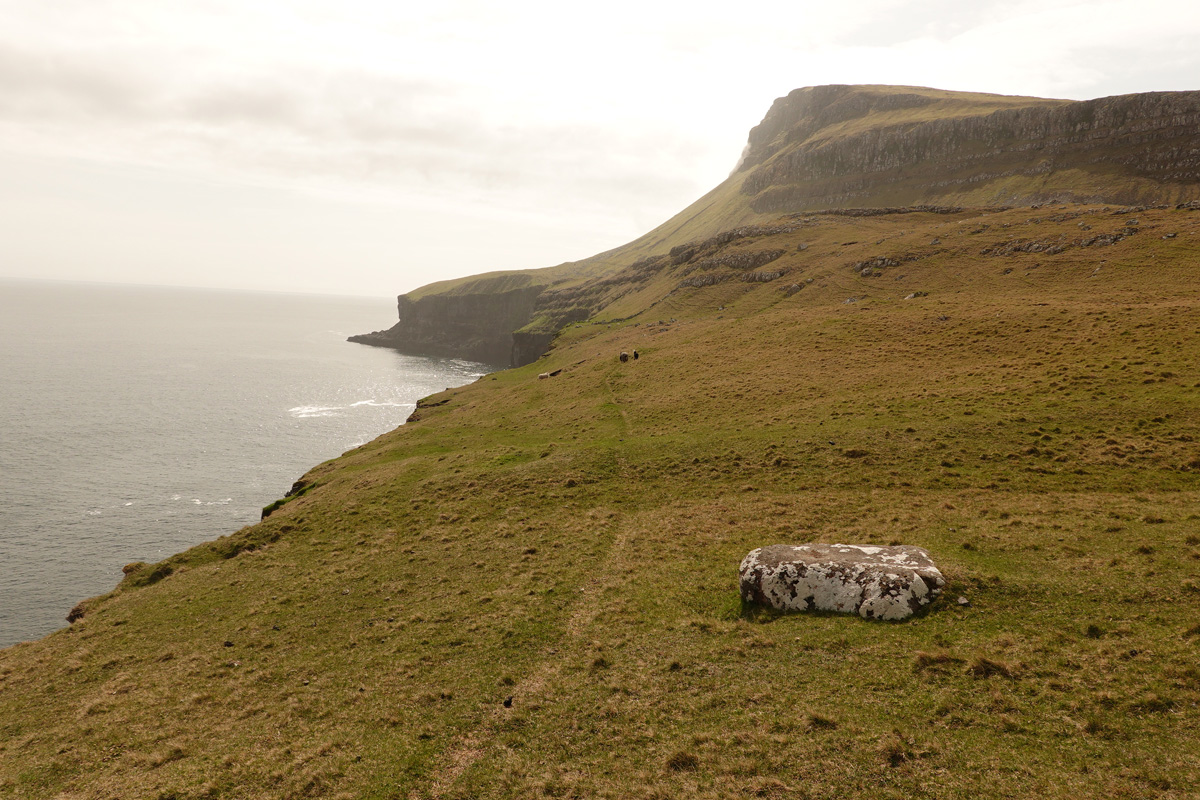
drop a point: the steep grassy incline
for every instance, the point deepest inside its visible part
(1029, 414)
(836, 147)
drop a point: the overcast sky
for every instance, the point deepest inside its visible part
(359, 147)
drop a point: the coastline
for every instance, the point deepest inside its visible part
(149, 420)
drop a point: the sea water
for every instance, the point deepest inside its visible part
(136, 422)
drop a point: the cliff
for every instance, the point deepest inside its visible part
(837, 147)
(842, 146)
(476, 323)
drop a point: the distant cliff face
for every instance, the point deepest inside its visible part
(840, 147)
(844, 146)
(474, 325)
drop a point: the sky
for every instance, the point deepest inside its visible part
(368, 148)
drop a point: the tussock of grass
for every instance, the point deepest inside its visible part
(934, 661)
(821, 722)
(774, 788)
(683, 761)
(982, 667)
(895, 749)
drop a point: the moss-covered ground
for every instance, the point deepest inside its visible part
(572, 543)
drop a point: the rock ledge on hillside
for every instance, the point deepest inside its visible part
(873, 581)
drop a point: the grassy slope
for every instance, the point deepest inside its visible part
(949, 105)
(722, 208)
(574, 543)
(726, 207)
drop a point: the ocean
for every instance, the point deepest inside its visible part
(136, 422)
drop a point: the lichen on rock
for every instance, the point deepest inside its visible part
(873, 581)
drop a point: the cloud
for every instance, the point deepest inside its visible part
(68, 86)
(600, 120)
(319, 124)
(483, 97)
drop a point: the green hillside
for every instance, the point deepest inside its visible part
(726, 206)
(1015, 390)
(843, 147)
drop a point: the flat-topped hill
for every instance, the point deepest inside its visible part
(1016, 391)
(839, 147)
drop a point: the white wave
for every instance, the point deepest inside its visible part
(304, 412)
(374, 404)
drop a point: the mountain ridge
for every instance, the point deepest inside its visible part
(1127, 149)
(837, 147)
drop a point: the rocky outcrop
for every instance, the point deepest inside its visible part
(818, 148)
(476, 324)
(529, 346)
(874, 582)
(502, 319)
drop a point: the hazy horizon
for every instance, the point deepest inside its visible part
(184, 287)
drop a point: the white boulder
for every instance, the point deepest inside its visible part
(873, 581)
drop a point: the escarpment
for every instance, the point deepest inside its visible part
(476, 324)
(818, 148)
(834, 148)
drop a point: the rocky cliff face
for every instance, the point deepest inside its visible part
(843, 147)
(476, 325)
(817, 148)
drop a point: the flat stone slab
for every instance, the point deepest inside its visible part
(873, 581)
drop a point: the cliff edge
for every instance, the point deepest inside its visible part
(843, 146)
(475, 322)
(839, 147)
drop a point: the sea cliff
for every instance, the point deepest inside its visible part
(839, 147)
(477, 325)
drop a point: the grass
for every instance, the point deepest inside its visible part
(573, 543)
